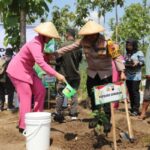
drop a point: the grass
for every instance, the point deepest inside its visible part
(82, 92)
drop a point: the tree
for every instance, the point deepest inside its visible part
(16, 13)
(102, 6)
(62, 18)
(134, 24)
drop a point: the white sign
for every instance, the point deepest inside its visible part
(109, 93)
(49, 79)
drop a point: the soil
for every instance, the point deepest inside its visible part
(75, 135)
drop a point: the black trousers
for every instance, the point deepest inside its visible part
(91, 82)
(134, 94)
(8, 89)
(2, 94)
(60, 97)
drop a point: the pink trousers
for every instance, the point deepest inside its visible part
(25, 91)
(115, 78)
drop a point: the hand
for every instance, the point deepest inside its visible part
(122, 76)
(148, 77)
(60, 77)
(135, 63)
(102, 53)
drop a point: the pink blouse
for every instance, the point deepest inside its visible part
(21, 66)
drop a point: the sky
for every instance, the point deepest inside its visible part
(93, 14)
(71, 3)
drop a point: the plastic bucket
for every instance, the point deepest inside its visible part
(37, 130)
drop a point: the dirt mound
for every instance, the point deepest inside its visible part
(75, 135)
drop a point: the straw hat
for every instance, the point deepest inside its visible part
(91, 27)
(47, 29)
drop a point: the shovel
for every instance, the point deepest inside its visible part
(124, 135)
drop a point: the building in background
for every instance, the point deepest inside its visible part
(30, 33)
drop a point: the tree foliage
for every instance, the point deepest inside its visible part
(62, 18)
(85, 6)
(134, 24)
(11, 16)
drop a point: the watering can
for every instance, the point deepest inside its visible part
(68, 91)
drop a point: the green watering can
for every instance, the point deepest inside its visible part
(68, 91)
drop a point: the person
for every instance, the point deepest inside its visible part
(6, 86)
(134, 60)
(99, 70)
(68, 65)
(146, 100)
(116, 78)
(20, 71)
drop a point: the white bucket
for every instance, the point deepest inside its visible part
(37, 130)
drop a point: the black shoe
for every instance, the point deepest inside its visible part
(59, 118)
(130, 110)
(93, 123)
(107, 127)
(1, 109)
(74, 116)
(21, 130)
(12, 109)
(134, 113)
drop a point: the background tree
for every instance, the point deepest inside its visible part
(62, 18)
(134, 24)
(16, 13)
(83, 8)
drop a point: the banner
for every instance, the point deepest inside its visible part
(49, 79)
(109, 93)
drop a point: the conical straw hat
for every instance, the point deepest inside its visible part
(91, 27)
(47, 29)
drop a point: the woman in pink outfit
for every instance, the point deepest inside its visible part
(20, 71)
(116, 77)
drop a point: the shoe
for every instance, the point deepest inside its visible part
(73, 116)
(148, 121)
(1, 109)
(12, 108)
(21, 130)
(134, 113)
(130, 110)
(107, 127)
(58, 118)
(142, 117)
(93, 123)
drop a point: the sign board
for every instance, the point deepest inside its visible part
(109, 93)
(49, 79)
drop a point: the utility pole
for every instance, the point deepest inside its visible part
(116, 12)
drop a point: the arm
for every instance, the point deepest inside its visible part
(120, 67)
(140, 59)
(36, 51)
(147, 63)
(68, 48)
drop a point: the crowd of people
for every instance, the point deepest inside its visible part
(102, 67)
